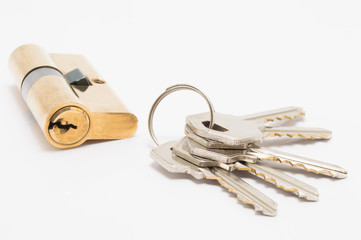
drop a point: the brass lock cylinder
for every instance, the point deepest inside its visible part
(63, 99)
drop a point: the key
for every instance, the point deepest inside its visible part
(256, 153)
(208, 143)
(235, 131)
(279, 179)
(305, 133)
(244, 192)
(280, 114)
(306, 164)
(181, 149)
(218, 144)
(220, 155)
(228, 129)
(268, 174)
(287, 113)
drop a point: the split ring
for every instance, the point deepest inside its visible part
(170, 90)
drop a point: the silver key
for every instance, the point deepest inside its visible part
(280, 115)
(208, 143)
(306, 164)
(256, 153)
(279, 179)
(231, 144)
(235, 131)
(276, 115)
(220, 155)
(245, 192)
(181, 149)
(305, 133)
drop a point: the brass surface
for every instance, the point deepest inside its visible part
(67, 114)
(73, 125)
(27, 58)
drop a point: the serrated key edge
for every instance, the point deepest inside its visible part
(276, 183)
(276, 159)
(284, 117)
(274, 134)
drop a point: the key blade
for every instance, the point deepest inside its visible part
(164, 156)
(281, 180)
(245, 192)
(280, 114)
(302, 132)
(304, 163)
(219, 155)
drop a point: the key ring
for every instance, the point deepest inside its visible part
(170, 90)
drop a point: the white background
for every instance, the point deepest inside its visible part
(247, 56)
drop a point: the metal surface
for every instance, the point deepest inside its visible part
(69, 125)
(275, 115)
(234, 130)
(244, 192)
(220, 155)
(282, 181)
(232, 144)
(169, 91)
(307, 164)
(181, 149)
(69, 114)
(208, 143)
(305, 133)
(34, 76)
(268, 174)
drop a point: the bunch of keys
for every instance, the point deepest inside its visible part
(218, 144)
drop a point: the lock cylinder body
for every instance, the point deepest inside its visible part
(54, 105)
(63, 99)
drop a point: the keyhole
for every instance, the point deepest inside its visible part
(62, 125)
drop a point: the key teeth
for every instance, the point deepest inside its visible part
(223, 184)
(274, 134)
(265, 212)
(246, 202)
(284, 117)
(276, 159)
(293, 190)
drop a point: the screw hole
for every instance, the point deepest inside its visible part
(98, 81)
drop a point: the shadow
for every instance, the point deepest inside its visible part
(151, 145)
(18, 98)
(95, 141)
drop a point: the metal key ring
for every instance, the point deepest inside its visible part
(170, 90)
